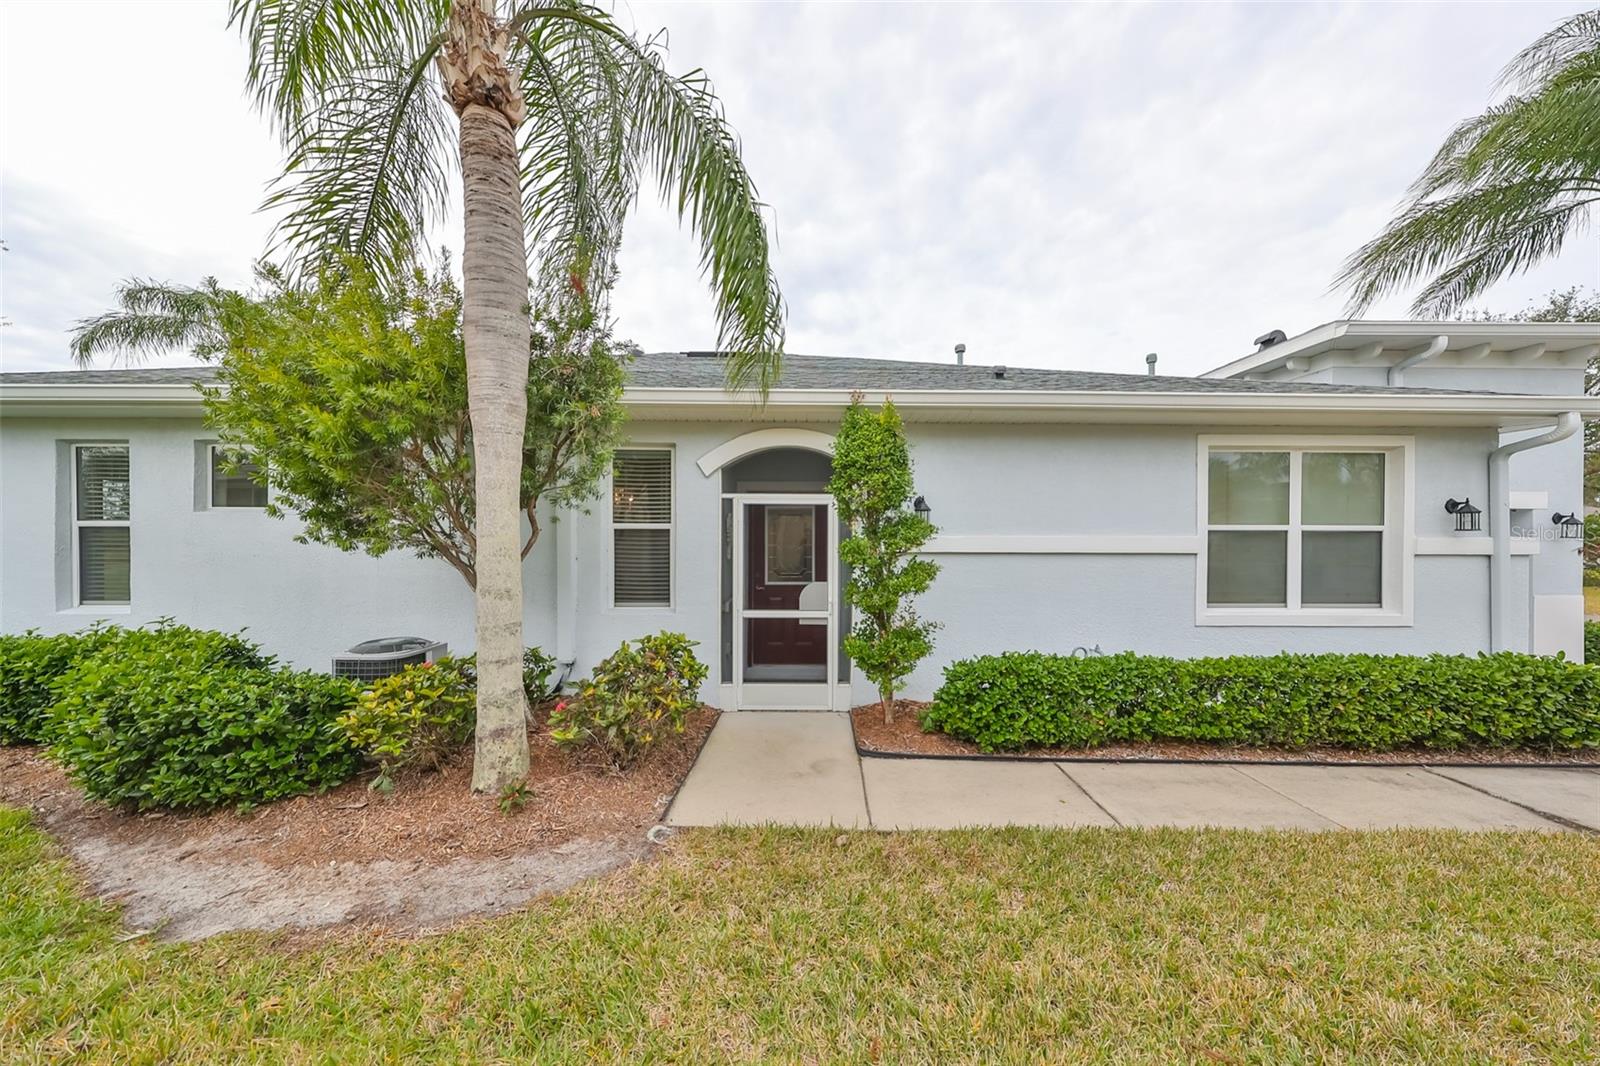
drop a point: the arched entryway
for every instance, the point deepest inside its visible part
(782, 622)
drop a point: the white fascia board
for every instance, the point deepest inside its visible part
(104, 400)
(145, 400)
(1558, 338)
(976, 400)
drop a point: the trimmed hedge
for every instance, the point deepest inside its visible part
(179, 717)
(1372, 702)
(30, 663)
(1591, 643)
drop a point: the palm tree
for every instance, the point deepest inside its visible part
(1506, 188)
(557, 113)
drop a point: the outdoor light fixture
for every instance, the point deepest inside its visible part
(1469, 519)
(920, 505)
(1571, 525)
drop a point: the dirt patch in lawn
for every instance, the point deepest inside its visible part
(904, 736)
(421, 857)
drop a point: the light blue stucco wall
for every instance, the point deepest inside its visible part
(1554, 469)
(238, 569)
(228, 568)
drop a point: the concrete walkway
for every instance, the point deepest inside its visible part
(796, 768)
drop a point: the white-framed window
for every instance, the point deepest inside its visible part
(101, 509)
(232, 483)
(790, 539)
(1304, 531)
(641, 527)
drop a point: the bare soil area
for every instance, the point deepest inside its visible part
(904, 736)
(427, 854)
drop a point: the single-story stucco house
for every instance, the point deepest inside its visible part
(1305, 497)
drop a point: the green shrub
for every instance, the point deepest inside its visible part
(1591, 643)
(30, 664)
(536, 670)
(185, 718)
(420, 715)
(640, 692)
(1372, 702)
(414, 718)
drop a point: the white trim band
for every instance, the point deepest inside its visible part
(1063, 544)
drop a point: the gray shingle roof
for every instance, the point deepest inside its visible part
(144, 375)
(678, 370)
(705, 371)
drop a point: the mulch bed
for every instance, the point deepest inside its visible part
(431, 817)
(905, 737)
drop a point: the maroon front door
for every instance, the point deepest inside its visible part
(786, 569)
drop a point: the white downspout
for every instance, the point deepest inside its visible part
(566, 594)
(1500, 521)
(1397, 372)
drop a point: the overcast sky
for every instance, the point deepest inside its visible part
(1052, 185)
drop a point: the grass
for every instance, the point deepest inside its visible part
(783, 945)
(1591, 601)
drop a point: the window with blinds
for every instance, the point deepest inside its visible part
(641, 527)
(233, 481)
(102, 505)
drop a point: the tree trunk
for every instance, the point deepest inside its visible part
(495, 331)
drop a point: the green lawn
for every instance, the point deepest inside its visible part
(1092, 945)
(1591, 602)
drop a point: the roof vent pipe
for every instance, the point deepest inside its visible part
(961, 355)
(1421, 355)
(1267, 340)
(999, 373)
(1150, 364)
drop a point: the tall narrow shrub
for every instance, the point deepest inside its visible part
(872, 489)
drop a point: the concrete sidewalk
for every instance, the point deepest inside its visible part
(798, 768)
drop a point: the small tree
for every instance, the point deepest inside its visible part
(872, 488)
(350, 397)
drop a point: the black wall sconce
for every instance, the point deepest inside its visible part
(920, 505)
(1571, 525)
(1469, 519)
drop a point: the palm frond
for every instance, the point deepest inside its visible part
(1501, 224)
(302, 51)
(1556, 50)
(578, 178)
(678, 130)
(369, 168)
(153, 318)
(1502, 184)
(1518, 244)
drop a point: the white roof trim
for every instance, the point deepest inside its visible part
(1474, 339)
(112, 400)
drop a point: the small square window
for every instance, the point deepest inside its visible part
(233, 481)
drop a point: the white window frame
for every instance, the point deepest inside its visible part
(80, 523)
(212, 450)
(612, 525)
(766, 543)
(1398, 529)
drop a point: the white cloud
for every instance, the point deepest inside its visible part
(1062, 186)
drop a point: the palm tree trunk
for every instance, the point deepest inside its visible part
(494, 327)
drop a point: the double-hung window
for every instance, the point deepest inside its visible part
(641, 527)
(101, 507)
(1303, 533)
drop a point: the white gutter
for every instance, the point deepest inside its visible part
(85, 400)
(1397, 372)
(1500, 521)
(566, 593)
